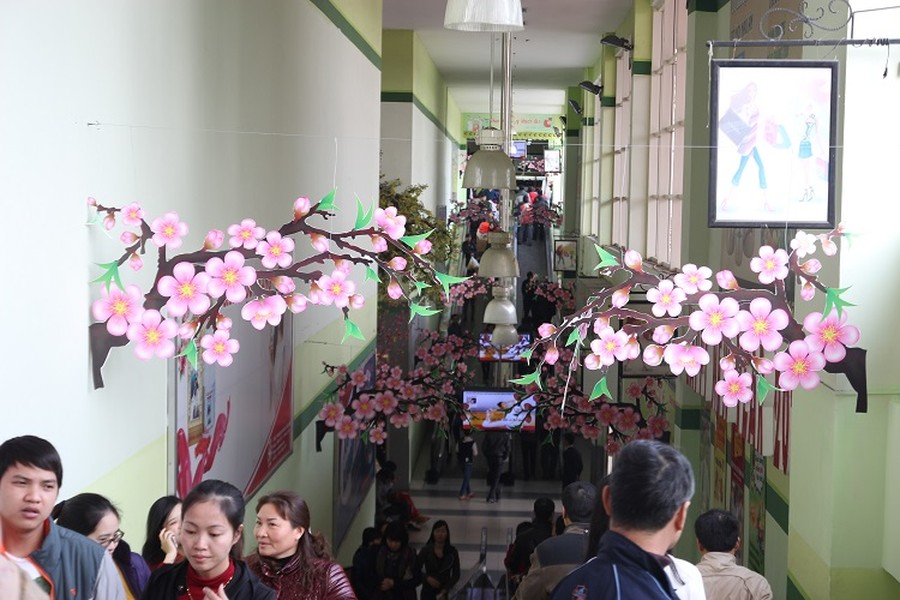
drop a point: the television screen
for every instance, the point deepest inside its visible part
(496, 409)
(487, 351)
(518, 149)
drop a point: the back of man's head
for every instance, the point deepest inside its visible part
(544, 509)
(579, 500)
(30, 451)
(717, 531)
(650, 481)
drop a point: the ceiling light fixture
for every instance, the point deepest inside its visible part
(484, 15)
(616, 42)
(591, 87)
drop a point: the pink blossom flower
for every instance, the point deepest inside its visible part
(336, 289)
(301, 207)
(607, 414)
(693, 279)
(634, 261)
(187, 329)
(275, 250)
(357, 301)
(344, 266)
(185, 290)
(590, 432)
(399, 419)
(600, 324)
(643, 433)
(135, 262)
(666, 298)
(734, 388)
(634, 391)
(245, 234)
(663, 333)
(284, 285)
(219, 348)
(686, 358)
(296, 303)
(128, 237)
(109, 221)
(229, 277)
(555, 420)
(132, 214)
(657, 425)
(387, 219)
(621, 296)
(331, 413)
(214, 239)
(394, 290)
(829, 247)
(377, 435)
(358, 378)
(799, 366)
(118, 308)
(632, 348)
(715, 318)
(398, 263)
(807, 289)
(319, 242)
(727, 362)
(422, 247)
(223, 322)
(266, 310)
(761, 325)
(762, 365)
(613, 446)
(546, 330)
(364, 407)
(627, 420)
(379, 244)
(803, 244)
(436, 412)
(91, 201)
(168, 231)
(653, 355)
(830, 334)
(611, 345)
(552, 355)
(153, 335)
(811, 267)
(771, 264)
(727, 280)
(347, 428)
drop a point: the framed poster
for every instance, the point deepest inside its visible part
(773, 143)
(565, 254)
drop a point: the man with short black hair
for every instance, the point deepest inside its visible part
(65, 564)
(519, 558)
(649, 492)
(718, 537)
(555, 557)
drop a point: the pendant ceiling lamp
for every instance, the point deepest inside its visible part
(490, 168)
(499, 260)
(504, 336)
(501, 313)
(484, 15)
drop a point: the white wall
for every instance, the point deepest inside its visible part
(215, 109)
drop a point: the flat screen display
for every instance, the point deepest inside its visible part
(518, 149)
(489, 409)
(488, 352)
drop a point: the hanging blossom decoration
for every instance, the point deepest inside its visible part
(431, 391)
(756, 328)
(257, 268)
(562, 297)
(476, 210)
(469, 290)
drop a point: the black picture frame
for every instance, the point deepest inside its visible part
(773, 140)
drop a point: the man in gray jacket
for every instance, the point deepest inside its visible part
(68, 566)
(718, 536)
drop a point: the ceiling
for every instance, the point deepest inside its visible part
(561, 38)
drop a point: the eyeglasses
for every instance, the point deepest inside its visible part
(107, 540)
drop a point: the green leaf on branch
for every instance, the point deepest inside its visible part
(327, 203)
(763, 388)
(190, 353)
(94, 220)
(421, 285)
(606, 258)
(527, 354)
(834, 301)
(529, 379)
(351, 329)
(600, 389)
(448, 280)
(574, 336)
(418, 309)
(111, 274)
(412, 240)
(363, 216)
(372, 274)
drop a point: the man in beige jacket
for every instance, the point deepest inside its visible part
(718, 538)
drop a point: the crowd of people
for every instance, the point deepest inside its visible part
(614, 541)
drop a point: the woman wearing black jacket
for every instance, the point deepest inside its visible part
(212, 523)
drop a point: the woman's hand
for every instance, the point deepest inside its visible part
(169, 544)
(210, 594)
(433, 582)
(387, 584)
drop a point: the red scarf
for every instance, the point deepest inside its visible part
(195, 584)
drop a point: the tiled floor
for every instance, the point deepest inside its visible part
(466, 519)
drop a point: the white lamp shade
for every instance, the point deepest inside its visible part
(498, 260)
(505, 335)
(484, 15)
(500, 310)
(490, 169)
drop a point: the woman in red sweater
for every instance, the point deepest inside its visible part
(290, 558)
